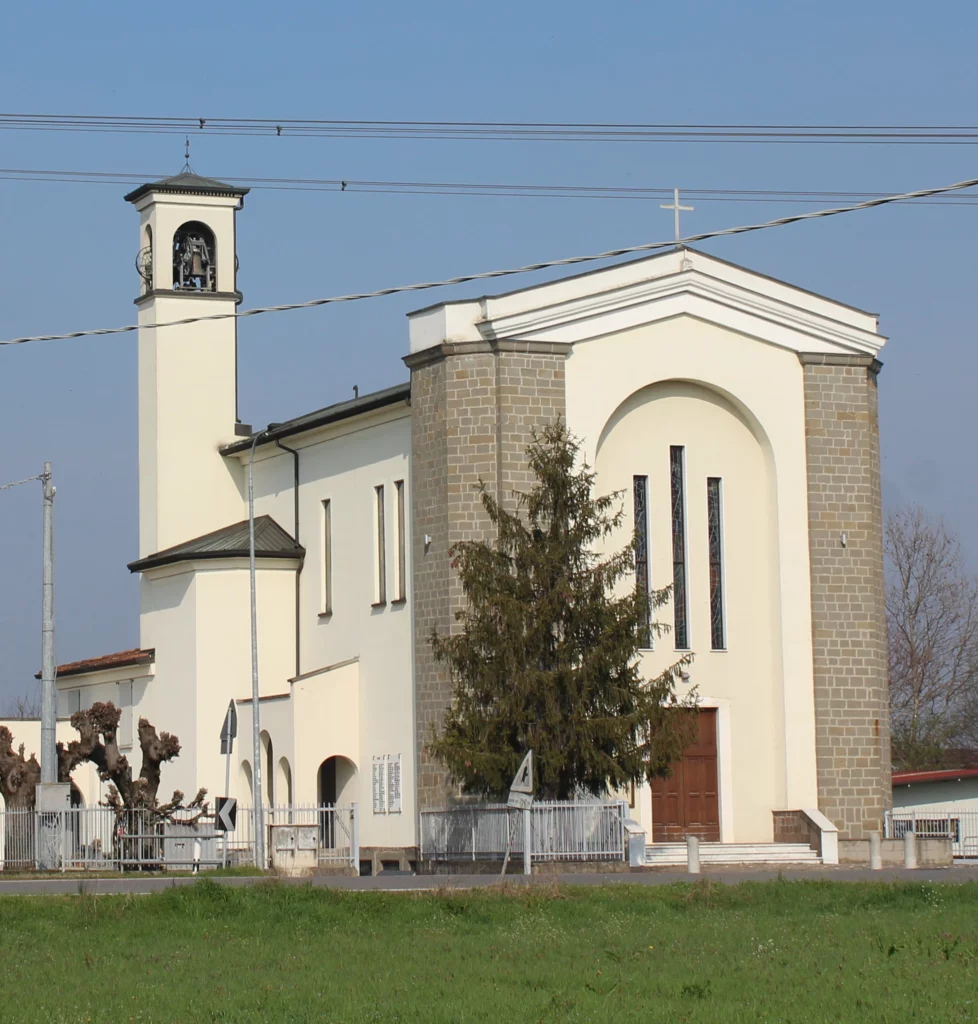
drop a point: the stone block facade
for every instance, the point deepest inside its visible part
(474, 406)
(848, 612)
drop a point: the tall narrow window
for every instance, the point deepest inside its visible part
(400, 592)
(327, 558)
(381, 548)
(640, 490)
(680, 604)
(714, 510)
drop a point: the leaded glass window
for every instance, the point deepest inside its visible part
(640, 490)
(714, 514)
(680, 604)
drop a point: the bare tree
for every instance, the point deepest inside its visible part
(23, 706)
(932, 628)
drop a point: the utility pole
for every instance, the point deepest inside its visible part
(259, 810)
(49, 754)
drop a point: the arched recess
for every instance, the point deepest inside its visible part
(267, 769)
(194, 258)
(725, 451)
(246, 787)
(283, 782)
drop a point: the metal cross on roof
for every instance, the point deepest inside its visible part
(675, 205)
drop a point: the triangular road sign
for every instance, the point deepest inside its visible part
(523, 780)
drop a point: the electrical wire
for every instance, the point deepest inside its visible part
(456, 188)
(528, 268)
(500, 130)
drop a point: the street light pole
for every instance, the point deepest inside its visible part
(49, 754)
(255, 724)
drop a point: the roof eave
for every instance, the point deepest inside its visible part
(153, 562)
(331, 414)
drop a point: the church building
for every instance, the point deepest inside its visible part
(738, 414)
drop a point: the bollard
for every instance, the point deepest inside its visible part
(875, 851)
(909, 850)
(692, 855)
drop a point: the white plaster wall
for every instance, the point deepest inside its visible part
(737, 405)
(223, 653)
(938, 796)
(168, 623)
(344, 464)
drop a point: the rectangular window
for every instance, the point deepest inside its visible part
(680, 603)
(400, 592)
(381, 592)
(714, 510)
(327, 558)
(640, 491)
(69, 701)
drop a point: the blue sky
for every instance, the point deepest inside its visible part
(66, 250)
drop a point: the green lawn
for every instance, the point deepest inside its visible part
(778, 951)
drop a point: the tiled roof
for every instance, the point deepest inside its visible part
(271, 541)
(121, 659)
(943, 775)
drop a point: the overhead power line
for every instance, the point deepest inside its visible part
(468, 188)
(528, 268)
(525, 131)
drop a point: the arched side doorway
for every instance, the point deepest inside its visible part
(246, 786)
(335, 787)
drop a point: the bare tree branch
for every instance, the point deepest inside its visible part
(932, 623)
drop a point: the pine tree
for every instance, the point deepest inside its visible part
(546, 654)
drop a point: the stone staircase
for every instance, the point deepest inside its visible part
(674, 854)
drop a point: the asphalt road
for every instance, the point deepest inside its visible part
(390, 882)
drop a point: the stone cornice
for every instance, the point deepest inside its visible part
(457, 348)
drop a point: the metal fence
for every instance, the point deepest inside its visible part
(559, 830)
(103, 839)
(961, 827)
(337, 833)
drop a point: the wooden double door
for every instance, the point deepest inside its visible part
(687, 803)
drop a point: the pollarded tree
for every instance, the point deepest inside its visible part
(546, 657)
(97, 742)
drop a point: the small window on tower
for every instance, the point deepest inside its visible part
(194, 258)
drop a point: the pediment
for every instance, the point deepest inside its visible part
(676, 284)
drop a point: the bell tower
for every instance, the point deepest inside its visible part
(187, 267)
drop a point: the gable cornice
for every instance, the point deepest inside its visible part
(689, 292)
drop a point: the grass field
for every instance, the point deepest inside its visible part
(778, 951)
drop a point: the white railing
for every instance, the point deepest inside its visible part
(103, 839)
(961, 827)
(559, 830)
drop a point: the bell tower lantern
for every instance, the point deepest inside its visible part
(187, 269)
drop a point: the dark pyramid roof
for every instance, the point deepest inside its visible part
(188, 183)
(271, 541)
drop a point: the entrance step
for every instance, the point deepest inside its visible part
(674, 854)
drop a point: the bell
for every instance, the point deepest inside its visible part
(197, 265)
